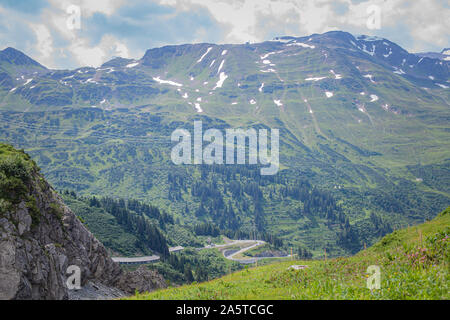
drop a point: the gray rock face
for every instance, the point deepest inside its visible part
(141, 280)
(39, 242)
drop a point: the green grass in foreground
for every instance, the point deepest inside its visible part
(414, 264)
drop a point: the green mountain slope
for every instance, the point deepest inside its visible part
(123, 231)
(414, 264)
(363, 125)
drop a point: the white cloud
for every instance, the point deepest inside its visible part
(121, 50)
(44, 43)
(89, 7)
(107, 7)
(427, 21)
(80, 48)
(57, 17)
(94, 56)
(87, 56)
(420, 25)
(252, 20)
(424, 21)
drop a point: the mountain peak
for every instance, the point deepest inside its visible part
(116, 62)
(17, 57)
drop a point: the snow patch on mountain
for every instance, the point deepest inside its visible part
(269, 70)
(207, 51)
(91, 80)
(314, 78)
(222, 78)
(266, 55)
(372, 53)
(388, 54)
(132, 65)
(373, 97)
(172, 83)
(198, 107)
(263, 57)
(221, 66)
(399, 71)
(370, 77)
(336, 76)
(260, 89)
(300, 44)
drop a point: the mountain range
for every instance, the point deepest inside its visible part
(363, 123)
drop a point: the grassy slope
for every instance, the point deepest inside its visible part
(106, 228)
(402, 276)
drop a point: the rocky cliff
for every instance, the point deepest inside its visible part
(41, 237)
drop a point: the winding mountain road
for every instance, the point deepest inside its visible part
(230, 243)
(253, 244)
(257, 243)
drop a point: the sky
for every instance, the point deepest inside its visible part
(67, 34)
